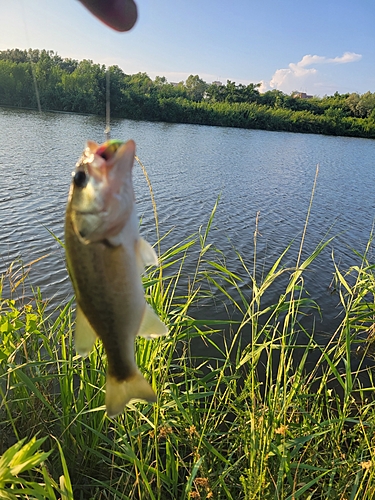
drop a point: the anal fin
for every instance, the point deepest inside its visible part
(120, 392)
(85, 335)
(151, 327)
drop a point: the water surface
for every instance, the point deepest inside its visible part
(190, 166)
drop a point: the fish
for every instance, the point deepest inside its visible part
(106, 257)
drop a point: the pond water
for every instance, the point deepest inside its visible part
(190, 166)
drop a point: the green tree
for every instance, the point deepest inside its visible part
(140, 83)
(366, 104)
(216, 93)
(195, 87)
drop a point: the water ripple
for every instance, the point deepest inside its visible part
(253, 172)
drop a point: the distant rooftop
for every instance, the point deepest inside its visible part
(302, 95)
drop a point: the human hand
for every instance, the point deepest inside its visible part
(120, 15)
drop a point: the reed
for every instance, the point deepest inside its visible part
(251, 421)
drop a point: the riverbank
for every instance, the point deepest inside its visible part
(254, 421)
(243, 115)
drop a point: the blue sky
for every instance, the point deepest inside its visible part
(318, 47)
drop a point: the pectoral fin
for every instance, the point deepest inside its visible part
(151, 326)
(146, 253)
(119, 393)
(85, 336)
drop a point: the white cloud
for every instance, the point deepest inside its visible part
(347, 57)
(300, 75)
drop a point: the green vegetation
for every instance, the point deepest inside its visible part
(80, 86)
(250, 422)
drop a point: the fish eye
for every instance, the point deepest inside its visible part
(80, 179)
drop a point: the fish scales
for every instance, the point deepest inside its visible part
(98, 303)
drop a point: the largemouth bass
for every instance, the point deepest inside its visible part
(105, 257)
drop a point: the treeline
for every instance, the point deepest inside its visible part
(80, 86)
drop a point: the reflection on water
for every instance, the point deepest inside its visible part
(189, 167)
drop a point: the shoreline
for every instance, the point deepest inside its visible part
(266, 128)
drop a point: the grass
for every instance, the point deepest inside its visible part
(250, 422)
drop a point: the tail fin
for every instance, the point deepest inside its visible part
(120, 393)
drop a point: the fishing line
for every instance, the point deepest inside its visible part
(36, 89)
(35, 84)
(107, 130)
